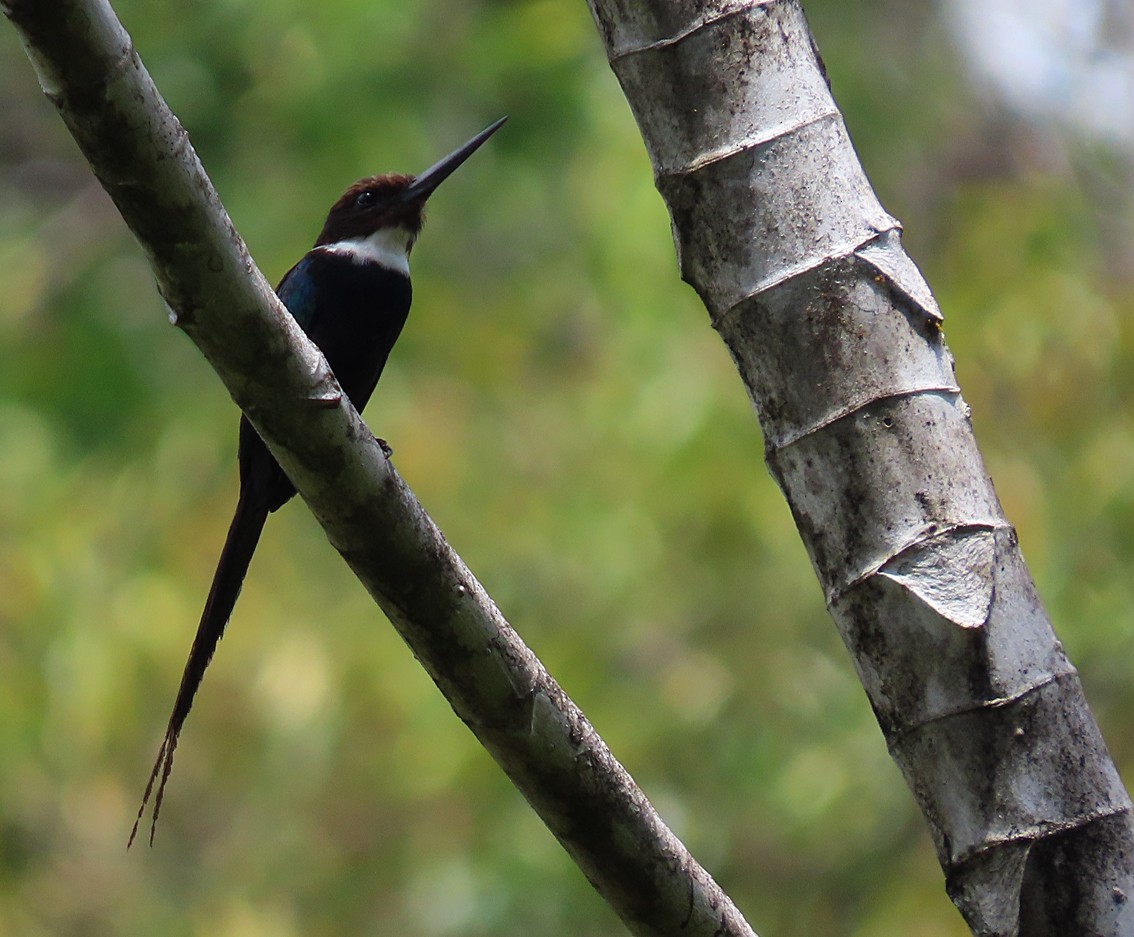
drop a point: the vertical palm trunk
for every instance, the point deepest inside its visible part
(838, 341)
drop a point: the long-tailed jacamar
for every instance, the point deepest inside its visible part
(350, 293)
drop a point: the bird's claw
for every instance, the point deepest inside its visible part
(384, 446)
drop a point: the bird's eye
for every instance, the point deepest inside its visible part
(365, 199)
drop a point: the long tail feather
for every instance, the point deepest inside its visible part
(239, 545)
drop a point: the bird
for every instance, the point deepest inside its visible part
(351, 295)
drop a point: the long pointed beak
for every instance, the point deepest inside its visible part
(422, 186)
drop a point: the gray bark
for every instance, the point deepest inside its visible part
(837, 338)
(89, 69)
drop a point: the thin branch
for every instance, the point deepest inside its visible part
(89, 69)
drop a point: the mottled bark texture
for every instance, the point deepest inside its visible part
(838, 340)
(89, 69)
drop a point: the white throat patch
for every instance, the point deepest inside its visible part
(387, 247)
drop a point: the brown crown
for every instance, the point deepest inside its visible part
(369, 205)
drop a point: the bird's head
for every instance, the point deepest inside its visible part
(385, 213)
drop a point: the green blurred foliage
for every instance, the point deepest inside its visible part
(563, 409)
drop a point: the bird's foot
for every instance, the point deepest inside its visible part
(385, 446)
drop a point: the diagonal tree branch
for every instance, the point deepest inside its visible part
(89, 69)
(838, 340)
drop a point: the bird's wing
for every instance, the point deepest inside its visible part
(298, 291)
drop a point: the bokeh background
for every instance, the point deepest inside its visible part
(563, 409)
